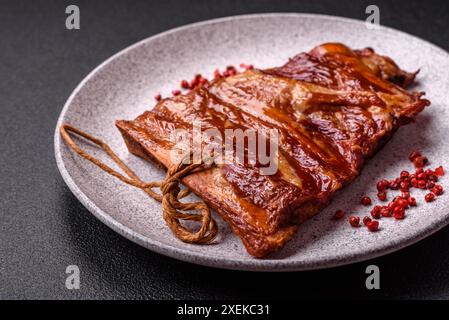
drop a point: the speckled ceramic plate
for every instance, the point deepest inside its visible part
(123, 87)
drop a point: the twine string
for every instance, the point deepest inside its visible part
(174, 211)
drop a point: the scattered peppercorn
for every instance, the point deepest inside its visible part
(354, 221)
(399, 213)
(366, 220)
(382, 185)
(375, 212)
(422, 184)
(404, 174)
(439, 171)
(402, 202)
(429, 197)
(366, 201)
(420, 162)
(385, 212)
(382, 196)
(437, 189)
(422, 176)
(404, 186)
(185, 84)
(373, 226)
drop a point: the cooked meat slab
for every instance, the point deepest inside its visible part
(333, 107)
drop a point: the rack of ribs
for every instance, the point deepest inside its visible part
(333, 107)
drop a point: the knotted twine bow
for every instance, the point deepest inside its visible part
(170, 191)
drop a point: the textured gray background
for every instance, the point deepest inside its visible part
(43, 228)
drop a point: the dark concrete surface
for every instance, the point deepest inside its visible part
(43, 228)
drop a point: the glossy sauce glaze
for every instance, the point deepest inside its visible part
(332, 108)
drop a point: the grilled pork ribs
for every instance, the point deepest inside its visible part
(333, 107)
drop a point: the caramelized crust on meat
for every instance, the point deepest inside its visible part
(333, 107)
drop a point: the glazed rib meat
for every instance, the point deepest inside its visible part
(333, 107)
